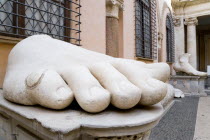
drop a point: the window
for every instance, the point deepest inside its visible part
(58, 18)
(170, 38)
(146, 31)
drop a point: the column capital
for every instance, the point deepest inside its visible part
(177, 21)
(191, 21)
(113, 7)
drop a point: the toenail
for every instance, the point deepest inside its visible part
(33, 79)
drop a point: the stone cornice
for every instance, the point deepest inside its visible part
(191, 21)
(9, 40)
(177, 21)
(113, 7)
(185, 3)
(115, 2)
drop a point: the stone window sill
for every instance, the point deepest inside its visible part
(147, 59)
(9, 40)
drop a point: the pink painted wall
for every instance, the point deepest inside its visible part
(129, 29)
(93, 25)
(163, 52)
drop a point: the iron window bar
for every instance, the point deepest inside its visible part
(170, 39)
(145, 29)
(36, 20)
(57, 18)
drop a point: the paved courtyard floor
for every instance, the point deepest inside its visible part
(188, 119)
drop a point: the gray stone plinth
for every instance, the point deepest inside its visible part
(33, 123)
(194, 85)
(207, 84)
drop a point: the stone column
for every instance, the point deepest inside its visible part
(179, 37)
(112, 26)
(191, 40)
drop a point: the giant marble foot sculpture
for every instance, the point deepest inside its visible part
(183, 65)
(51, 73)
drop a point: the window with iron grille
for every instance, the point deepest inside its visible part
(170, 38)
(57, 18)
(145, 27)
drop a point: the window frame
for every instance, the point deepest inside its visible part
(170, 44)
(19, 16)
(143, 50)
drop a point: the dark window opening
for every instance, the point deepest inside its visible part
(185, 38)
(146, 32)
(57, 18)
(170, 38)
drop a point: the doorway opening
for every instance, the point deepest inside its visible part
(203, 42)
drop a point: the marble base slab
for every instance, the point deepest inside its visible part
(192, 85)
(33, 122)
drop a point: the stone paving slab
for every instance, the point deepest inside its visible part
(179, 122)
(202, 129)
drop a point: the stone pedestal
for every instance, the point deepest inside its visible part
(207, 84)
(193, 85)
(35, 123)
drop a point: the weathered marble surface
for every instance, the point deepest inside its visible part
(169, 96)
(178, 93)
(194, 85)
(27, 122)
(52, 73)
(184, 65)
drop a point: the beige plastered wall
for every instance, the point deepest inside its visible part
(127, 36)
(5, 49)
(164, 10)
(128, 29)
(93, 28)
(93, 25)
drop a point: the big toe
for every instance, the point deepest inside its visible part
(47, 88)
